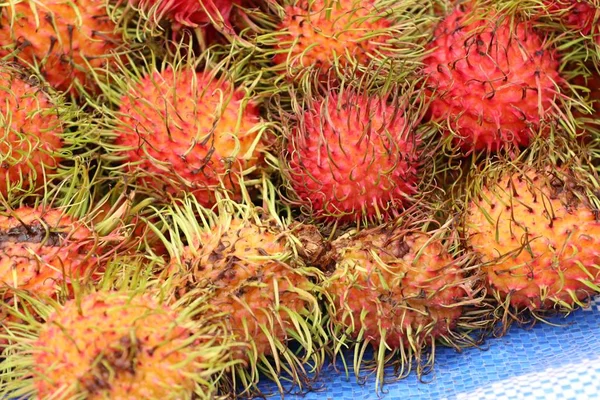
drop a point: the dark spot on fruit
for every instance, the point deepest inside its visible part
(228, 271)
(240, 291)
(34, 233)
(22, 43)
(401, 249)
(214, 257)
(120, 358)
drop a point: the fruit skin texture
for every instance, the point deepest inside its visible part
(191, 13)
(378, 284)
(580, 16)
(315, 33)
(69, 39)
(353, 160)
(240, 265)
(31, 133)
(84, 343)
(180, 129)
(492, 84)
(44, 249)
(540, 245)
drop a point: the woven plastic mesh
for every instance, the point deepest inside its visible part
(543, 362)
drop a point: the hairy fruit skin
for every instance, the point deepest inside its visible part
(66, 39)
(382, 292)
(191, 13)
(31, 133)
(351, 158)
(241, 265)
(316, 33)
(180, 130)
(539, 244)
(580, 16)
(43, 250)
(112, 345)
(492, 84)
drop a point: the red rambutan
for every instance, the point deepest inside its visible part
(492, 83)
(351, 157)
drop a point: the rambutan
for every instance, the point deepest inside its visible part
(191, 13)
(180, 131)
(244, 262)
(32, 132)
(351, 157)
(537, 235)
(492, 82)
(112, 344)
(334, 40)
(324, 33)
(43, 249)
(398, 289)
(68, 42)
(582, 17)
(43, 252)
(586, 112)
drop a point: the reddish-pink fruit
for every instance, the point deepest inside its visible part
(192, 13)
(351, 157)
(492, 82)
(580, 16)
(185, 131)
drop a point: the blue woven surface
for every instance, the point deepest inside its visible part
(544, 362)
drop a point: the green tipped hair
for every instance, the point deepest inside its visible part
(418, 353)
(130, 75)
(127, 276)
(187, 221)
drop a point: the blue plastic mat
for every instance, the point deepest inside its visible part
(544, 362)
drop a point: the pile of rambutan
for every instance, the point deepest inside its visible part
(197, 196)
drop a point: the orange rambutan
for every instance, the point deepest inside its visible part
(180, 131)
(113, 344)
(537, 236)
(243, 261)
(68, 42)
(401, 290)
